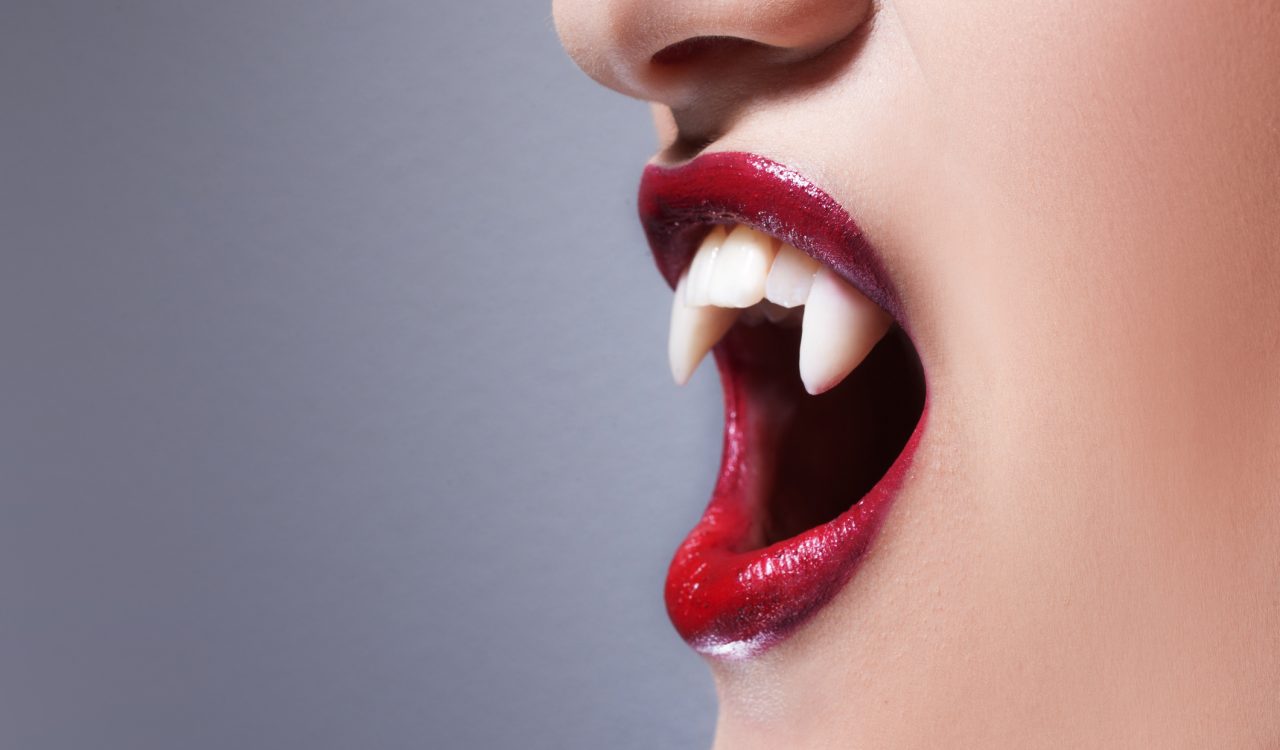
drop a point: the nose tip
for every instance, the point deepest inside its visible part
(664, 50)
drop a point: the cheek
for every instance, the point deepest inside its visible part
(1113, 166)
(1105, 284)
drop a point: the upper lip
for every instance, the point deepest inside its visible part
(678, 205)
(724, 597)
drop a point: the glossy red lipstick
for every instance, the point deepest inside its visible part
(729, 591)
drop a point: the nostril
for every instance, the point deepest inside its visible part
(702, 47)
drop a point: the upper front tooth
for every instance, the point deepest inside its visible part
(741, 267)
(840, 328)
(694, 330)
(698, 289)
(790, 277)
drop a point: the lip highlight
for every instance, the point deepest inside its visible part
(728, 594)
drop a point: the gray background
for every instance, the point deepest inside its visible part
(332, 386)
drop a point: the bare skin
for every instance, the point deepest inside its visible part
(1080, 203)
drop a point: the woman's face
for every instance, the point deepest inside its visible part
(1078, 204)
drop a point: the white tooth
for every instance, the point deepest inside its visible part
(694, 330)
(840, 328)
(697, 291)
(741, 267)
(790, 277)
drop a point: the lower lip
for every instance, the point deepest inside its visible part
(730, 601)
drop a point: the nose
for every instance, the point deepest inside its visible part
(666, 51)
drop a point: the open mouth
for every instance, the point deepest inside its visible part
(825, 395)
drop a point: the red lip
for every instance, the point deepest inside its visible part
(727, 595)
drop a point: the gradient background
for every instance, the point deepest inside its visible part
(332, 382)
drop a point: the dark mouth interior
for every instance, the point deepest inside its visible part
(815, 456)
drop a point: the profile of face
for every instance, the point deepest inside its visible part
(1030, 253)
